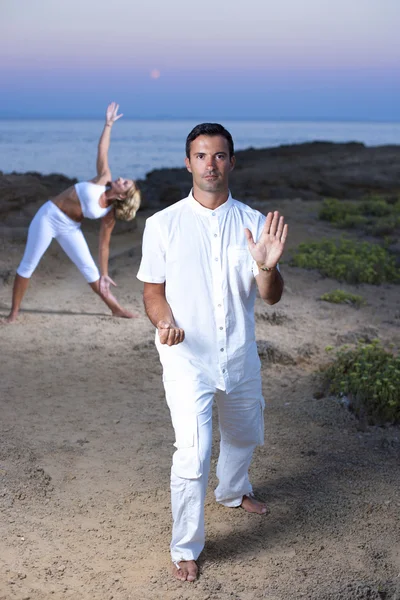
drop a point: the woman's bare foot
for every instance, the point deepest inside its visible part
(124, 314)
(187, 570)
(251, 505)
(10, 319)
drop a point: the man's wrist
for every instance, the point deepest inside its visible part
(108, 125)
(266, 268)
(165, 324)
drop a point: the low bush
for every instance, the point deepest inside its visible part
(347, 260)
(374, 215)
(369, 376)
(342, 297)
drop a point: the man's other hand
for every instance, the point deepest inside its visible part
(169, 333)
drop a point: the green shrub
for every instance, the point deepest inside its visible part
(342, 297)
(375, 215)
(383, 226)
(347, 260)
(334, 211)
(369, 376)
(352, 221)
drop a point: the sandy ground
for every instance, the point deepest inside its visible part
(86, 445)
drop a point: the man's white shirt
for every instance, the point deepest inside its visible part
(202, 257)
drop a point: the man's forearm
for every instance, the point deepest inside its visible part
(270, 286)
(158, 309)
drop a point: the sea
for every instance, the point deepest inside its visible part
(138, 146)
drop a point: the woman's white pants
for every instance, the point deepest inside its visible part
(48, 223)
(241, 427)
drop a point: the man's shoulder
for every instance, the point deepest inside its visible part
(164, 215)
(247, 210)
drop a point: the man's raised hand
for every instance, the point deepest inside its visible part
(169, 333)
(269, 247)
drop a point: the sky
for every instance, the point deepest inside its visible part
(211, 59)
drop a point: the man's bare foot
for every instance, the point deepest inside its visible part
(124, 314)
(251, 505)
(187, 570)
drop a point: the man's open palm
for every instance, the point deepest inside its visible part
(269, 247)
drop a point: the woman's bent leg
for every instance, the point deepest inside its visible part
(76, 248)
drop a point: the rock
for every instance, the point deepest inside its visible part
(364, 334)
(270, 352)
(309, 171)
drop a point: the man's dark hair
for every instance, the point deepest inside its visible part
(209, 129)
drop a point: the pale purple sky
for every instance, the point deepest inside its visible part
(286, 59)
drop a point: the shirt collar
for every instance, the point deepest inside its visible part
(199, 208)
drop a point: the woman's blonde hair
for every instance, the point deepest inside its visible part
(126, 208)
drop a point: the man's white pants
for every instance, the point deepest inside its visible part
(241, 427)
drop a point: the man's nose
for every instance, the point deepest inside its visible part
(210, 162)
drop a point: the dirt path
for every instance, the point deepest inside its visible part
(86, 444)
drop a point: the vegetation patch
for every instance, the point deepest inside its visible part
(342, 297)
(369, 377)
(375, 215)
(273, 318)
(348, 260)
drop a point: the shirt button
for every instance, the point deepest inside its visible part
(213, 214)
(222, 349)
(215, 235)
(221, 328)
(223, 370)
(216, 259)
(219, 305)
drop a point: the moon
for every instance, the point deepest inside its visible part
(155, 74)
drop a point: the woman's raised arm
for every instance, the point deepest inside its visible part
(103, 169)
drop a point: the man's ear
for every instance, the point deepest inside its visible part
(233, 162)
(187, 163)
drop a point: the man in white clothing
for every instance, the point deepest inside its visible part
(203, 258)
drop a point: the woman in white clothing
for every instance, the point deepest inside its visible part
(61, 217)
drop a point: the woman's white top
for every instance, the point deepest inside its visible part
(89, 195)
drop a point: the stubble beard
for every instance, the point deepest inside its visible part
(217, 185)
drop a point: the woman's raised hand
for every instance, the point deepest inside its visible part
(112, 113)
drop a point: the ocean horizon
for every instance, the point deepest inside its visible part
(68, 146)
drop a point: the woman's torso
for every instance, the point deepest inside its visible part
(90, 202)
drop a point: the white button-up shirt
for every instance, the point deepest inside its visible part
(203, 258)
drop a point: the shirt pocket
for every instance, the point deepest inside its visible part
(239, 269)
(237, 255)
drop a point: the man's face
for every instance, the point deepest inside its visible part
(209, 163)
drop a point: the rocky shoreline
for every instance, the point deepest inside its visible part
(309, 171)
